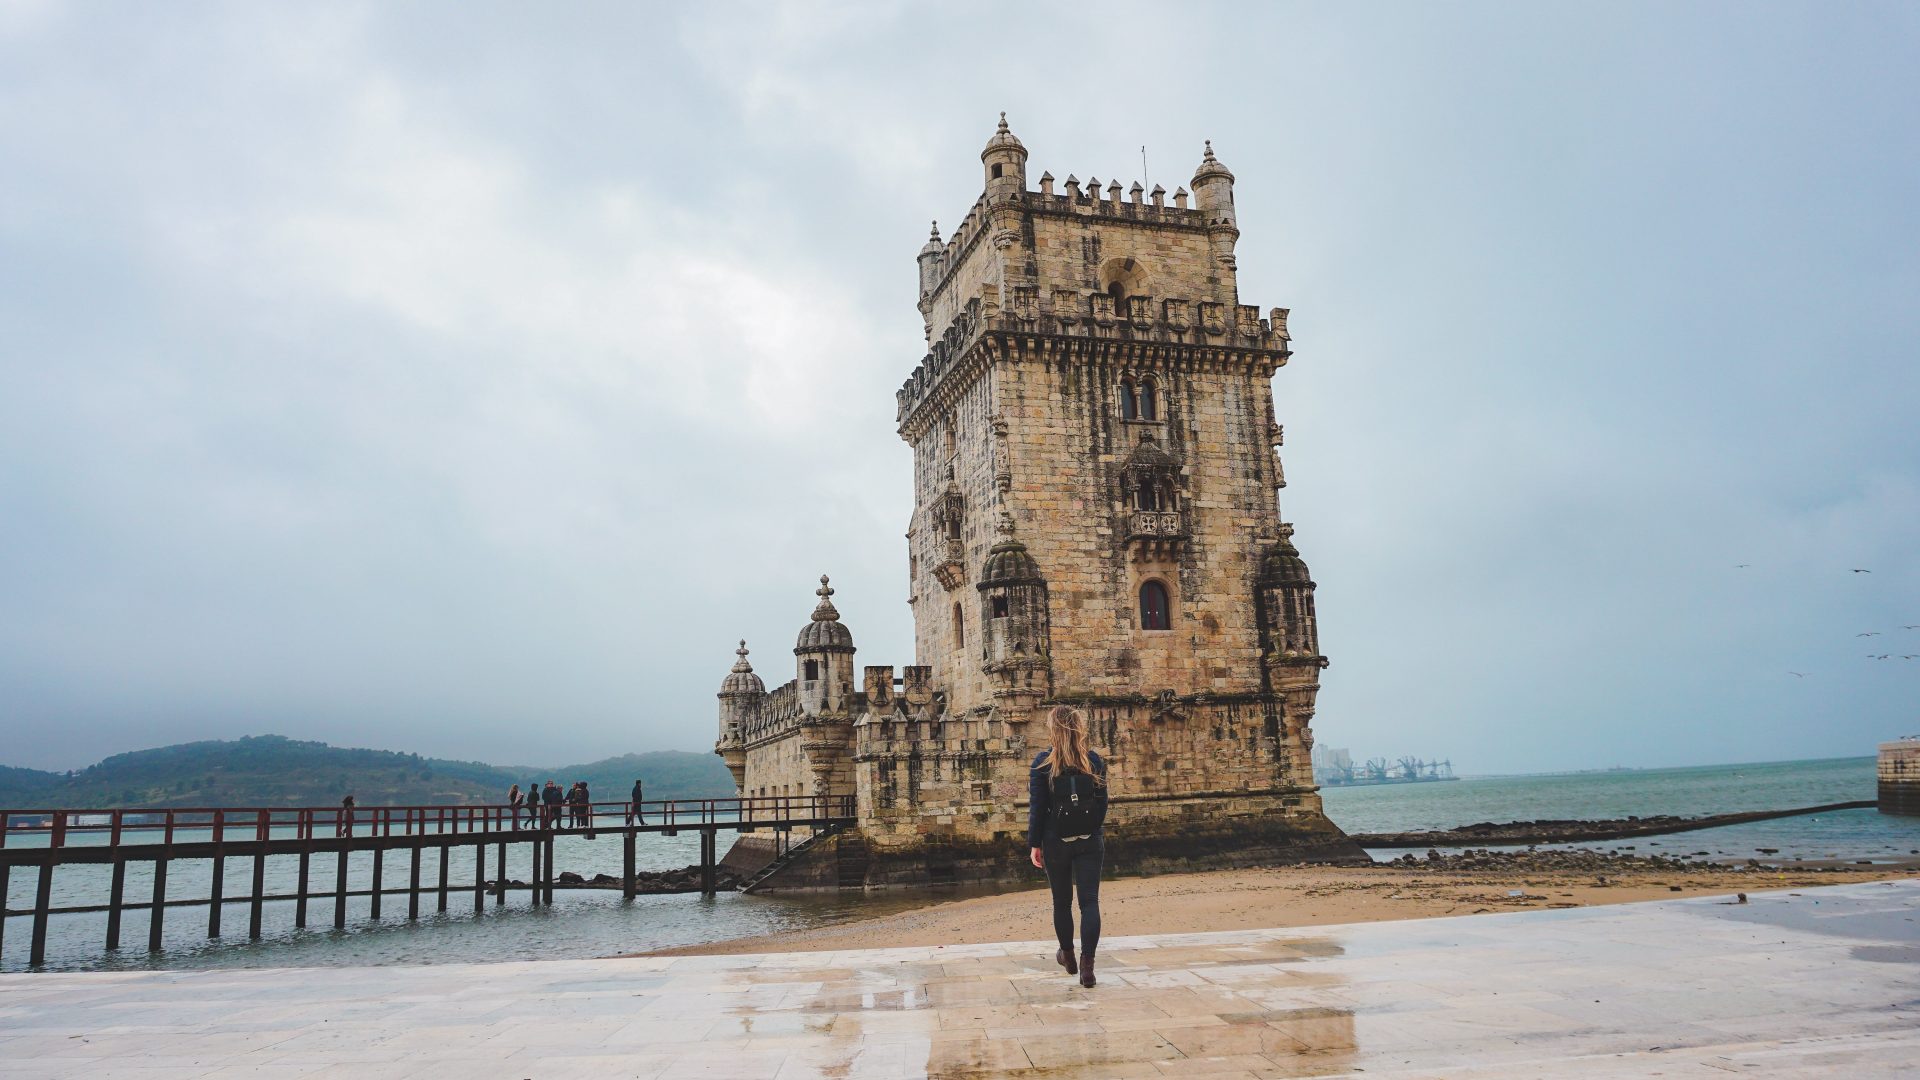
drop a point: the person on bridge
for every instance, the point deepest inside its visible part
(346, 816)
(514, 801)
(551, 815)
(533, 804)
(583, 806)
(1067, 806)
(633, 808)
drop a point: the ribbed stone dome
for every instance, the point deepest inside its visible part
(1008, 563)
(825, 633)
(742, 680)
(1210, 166)
(1004, 140)
(1283, 564)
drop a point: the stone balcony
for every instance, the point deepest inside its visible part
(1157, 534)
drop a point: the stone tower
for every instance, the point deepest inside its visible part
(1096, 522)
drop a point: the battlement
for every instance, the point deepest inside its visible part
(1091, 315)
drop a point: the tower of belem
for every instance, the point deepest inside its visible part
(1096, 523)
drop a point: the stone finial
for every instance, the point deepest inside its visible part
(824, 611)
(1206, 157)
(1180, 198)
(1046, 183)
(935, 234)
(1159, 196)
(741, 666)
(1093, 187)
(1003, 131)
(1113, 192)
(1135, 192)
(1073, 185)
(1003, 526)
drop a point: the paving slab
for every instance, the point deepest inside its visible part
(1810, 982)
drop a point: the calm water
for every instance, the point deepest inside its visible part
(1709, 789)
(599, 923)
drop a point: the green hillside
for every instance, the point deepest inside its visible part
(272, 770)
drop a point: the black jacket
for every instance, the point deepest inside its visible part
(1040, 794)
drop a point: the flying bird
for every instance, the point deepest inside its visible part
(1741, 565)
(1915, 626)
(1798, 674)
(1870, 633)
(1863, 571)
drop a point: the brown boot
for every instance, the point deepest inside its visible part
(1065, 959)
(1086, 969)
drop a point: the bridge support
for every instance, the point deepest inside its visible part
(116, 899)
(626, 865)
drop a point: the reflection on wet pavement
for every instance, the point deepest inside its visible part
(1813, 982)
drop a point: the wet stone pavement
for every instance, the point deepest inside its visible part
(1816, 982)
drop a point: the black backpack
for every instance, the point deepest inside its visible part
(1079, 805)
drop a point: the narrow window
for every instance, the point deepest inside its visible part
(1119, 300)
(1144, 496)
(1129, 407)
(1149, 400)
(996, 171)
(999, 607)
(959, 627)
(813, 670)
(1153, 607)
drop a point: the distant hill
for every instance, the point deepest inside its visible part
(272, 770)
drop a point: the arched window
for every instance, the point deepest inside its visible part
(1129, 405)
(1119, 294)
(999, 607)
(959, 627)
(1149, 400)
(1155, 613)
(1145, 495)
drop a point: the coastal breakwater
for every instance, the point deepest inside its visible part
(1898, 773)
(1572, 831)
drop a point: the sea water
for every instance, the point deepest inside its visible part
(586, 923)
(1843, 836)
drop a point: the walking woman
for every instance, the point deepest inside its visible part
(1067, 800)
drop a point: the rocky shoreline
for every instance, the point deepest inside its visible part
(1576, 831)
(646, 882)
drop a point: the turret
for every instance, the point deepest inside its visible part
(1288, 624)
(823, 659)
(1005, 160)
(931, 257)
(740, 695)
(1213, 197)
(1016, 644)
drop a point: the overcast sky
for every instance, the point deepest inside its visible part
(465, 378)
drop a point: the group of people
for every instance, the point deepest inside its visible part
(544, 806)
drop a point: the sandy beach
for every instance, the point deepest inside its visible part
(1293, 896)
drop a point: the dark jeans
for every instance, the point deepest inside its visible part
(1071, 867)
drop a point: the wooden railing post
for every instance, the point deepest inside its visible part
(262, 832)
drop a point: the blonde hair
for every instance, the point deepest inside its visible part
(1068, 729)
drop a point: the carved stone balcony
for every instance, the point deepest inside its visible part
(951, 571)
(1156, 534)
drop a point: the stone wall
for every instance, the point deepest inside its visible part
(1899, 777)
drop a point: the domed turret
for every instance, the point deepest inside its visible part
(1008, 563)
(741, 693)
(930, 258)
(825, 633)
(1006, 163)
(742, 680)
(823, 659)
(1213, 197)
(1287, 618)
(1013, 609)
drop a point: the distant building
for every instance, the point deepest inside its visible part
(1095, 522)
